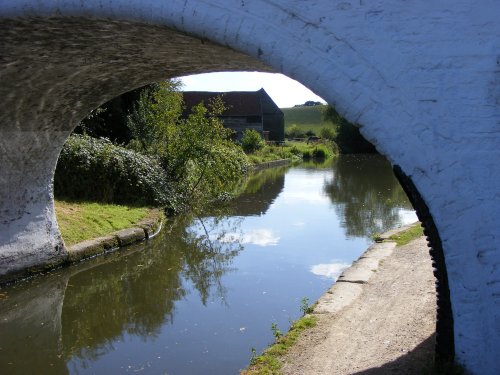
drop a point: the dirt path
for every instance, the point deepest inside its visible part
(387, 326)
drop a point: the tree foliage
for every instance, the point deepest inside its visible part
(348, 138)
(109, 120)
(194, 149)
(251, 141)
(295, 132)
(327, 133)
(95, 169)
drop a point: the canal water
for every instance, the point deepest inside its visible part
(197, 298)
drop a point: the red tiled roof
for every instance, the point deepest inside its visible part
(238, 103)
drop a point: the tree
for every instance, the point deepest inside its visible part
(194, 149)
(295, 132)
(348, 137)
(251, 141)
(327, 133)
(110, 119)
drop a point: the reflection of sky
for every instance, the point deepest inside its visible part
(259, 237)
(309, 251)
(408, 216)
(305, 190)
(329, 270)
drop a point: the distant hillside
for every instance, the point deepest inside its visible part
(348, 137)
(306, 118)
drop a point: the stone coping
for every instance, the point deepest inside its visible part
(349, 284)
(143, 230)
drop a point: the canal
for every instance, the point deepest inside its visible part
(198, 297)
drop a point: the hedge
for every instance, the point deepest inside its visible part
(95, 169)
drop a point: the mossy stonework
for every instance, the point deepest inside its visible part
(422, 79)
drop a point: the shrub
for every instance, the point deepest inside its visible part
(327, 133)
(319, 153)
(310, 133)
(294, 132)
(251, 141)
(306, 154)
(95, 169)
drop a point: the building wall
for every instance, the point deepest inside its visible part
(240, 124)
(274, 120)
(275, 124)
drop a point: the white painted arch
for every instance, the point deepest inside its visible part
(422, 78)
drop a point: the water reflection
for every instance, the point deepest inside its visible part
(81, 313)
(30, 328)
(329, 270)
(366, 195)
(195, 299)
(259, 191)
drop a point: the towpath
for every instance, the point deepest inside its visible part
(379, 318)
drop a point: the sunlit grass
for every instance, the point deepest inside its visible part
(269, 362)
(80, 221)
(404, 237)
(291, 150)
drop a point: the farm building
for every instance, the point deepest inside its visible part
(245, 110)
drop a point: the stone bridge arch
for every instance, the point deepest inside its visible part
(422, 78)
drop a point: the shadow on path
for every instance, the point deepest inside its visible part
(418, 361)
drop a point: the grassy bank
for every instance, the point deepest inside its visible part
(293, 150)
(80, 221)
(406, 236)
(269, 362)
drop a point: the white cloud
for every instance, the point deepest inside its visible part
(329, 270)
(259, 237)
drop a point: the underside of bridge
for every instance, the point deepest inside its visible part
(423, 80)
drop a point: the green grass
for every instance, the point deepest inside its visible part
(308, 148)
(80, 221)
(306, 118)
(269, 362)
(291, 150)
(270, 153)
(402, 238)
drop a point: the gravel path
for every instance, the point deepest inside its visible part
(387, 328)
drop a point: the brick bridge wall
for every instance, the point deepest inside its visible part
(422, 78)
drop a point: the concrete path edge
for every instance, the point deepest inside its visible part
(349, 284)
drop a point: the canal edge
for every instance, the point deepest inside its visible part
(349, 285)
(270, 164)
(145, 229)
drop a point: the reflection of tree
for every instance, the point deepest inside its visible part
(206, 266)
(366, 194)
(259, 191)
(136, 294)
(315, 164)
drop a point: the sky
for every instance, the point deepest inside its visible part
(285, 91)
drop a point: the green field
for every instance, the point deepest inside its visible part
(306, 118)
